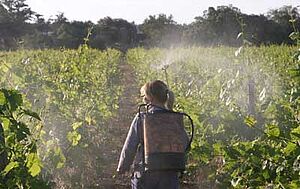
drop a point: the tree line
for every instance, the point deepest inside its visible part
(21, 27)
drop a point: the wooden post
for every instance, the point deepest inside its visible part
(3, 153)
(251, 96)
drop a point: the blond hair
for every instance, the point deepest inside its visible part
(159, 91)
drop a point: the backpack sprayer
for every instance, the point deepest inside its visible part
(164, 138)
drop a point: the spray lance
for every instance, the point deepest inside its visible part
(165, 70)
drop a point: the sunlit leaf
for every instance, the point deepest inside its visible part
(296, 164)
(262, 94)
(217, 148)
(35, 169)
(10, 166)
(294, 35)
(238, 52)
(235, 181)
(294, 184)
(295, 133)
(264, 165)
(250, 121)
(59, 158)
(76, 125)
(74, 137)
(5, 123)
(239, 35)
(2, 98)
(279, 169)
(290, 148)
(34, 164)
(88, 119)
(272, 130)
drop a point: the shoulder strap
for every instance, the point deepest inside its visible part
(141, 133)
(192, 135)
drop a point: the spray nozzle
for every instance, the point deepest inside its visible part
(165, 67)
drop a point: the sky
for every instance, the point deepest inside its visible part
(183, 11)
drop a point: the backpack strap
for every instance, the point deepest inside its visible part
(193, 129)
(141, 133)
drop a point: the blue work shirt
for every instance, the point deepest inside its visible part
(132, 151)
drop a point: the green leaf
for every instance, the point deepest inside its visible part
(295, 133)
(34, 164)
(266, 174)
(235, 181)
(59, 158)
(264, 164)
(250, 121)
(296, 164)
(76, 125)
(202, 153)
(279, 169)
(295, 184)
(272, 130)
(89, 120)
(10, 166)
(217, 148)
(15, 99)
(232, 152)
(22, 131)
(5, 123)
(74, 137)
(35, 169)
(32, 114)
(294, 35)
(2, 98)
(289, 148)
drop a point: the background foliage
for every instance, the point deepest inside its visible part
(21, 27)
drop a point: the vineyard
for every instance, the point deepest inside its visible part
(65, 114)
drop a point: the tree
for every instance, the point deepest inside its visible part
(216, 27)
(60, 32)
(71, 35)
(221, 26)
(115, 33)
(161, 31)
(282, 17)
(14, 15)
(39, 35)
(18, 10)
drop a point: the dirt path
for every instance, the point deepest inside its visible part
(128, 101)
(120, 124)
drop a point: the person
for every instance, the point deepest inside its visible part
(159, 97)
